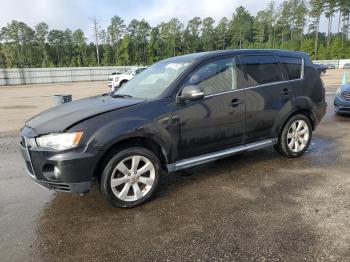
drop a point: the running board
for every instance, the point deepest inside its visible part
(194, 161)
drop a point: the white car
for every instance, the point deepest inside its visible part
(118, 79)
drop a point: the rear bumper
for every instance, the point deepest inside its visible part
(69, 171)
(341, 105)
(320, 113)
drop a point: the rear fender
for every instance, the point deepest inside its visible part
(298, 104)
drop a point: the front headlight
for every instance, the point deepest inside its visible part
(338, 92)
(59, 141)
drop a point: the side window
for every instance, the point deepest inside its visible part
(216, 77)
(262, 69)
(293, 66)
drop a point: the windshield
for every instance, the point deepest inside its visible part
(153, 81)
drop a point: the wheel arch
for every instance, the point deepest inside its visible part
(123, 81)
(137, 141)
(304, 111)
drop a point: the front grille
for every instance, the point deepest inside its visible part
(346, 96)
(59, 187)
(345, 109)
(110, 79)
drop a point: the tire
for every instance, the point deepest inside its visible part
(123, 170)
(298, 129)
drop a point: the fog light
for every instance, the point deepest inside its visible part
(56, 172)
(51, 172)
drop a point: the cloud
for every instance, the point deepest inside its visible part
(60, 14)
(163, 10)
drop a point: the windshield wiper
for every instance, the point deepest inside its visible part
(121, 96)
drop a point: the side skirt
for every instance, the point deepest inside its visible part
(198, 160)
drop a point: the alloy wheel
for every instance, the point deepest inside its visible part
(132, 178)
(298, 136)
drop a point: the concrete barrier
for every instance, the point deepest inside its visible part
(24, 76)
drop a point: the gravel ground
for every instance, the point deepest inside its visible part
(256, 206)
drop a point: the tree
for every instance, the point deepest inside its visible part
(191, 35)
(155, 46)
(79, 42)
(96, 30)
(208, 34)
(19, 40)
(316, 9)
(115, 31)
(221, 34)
(138, 34)
(56, 40)
(260, 27)
(241, 27)
(171, 33)
(300, 11)
(285, 22)
(41, 33)
(330, 9)
(272, 18)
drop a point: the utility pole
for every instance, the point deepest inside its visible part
(96, 30)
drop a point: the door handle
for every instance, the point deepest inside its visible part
(286, 91)
(236, 102)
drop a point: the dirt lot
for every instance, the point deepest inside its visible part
(18, 103)
(256, 206)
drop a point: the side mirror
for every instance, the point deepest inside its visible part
(192, 93)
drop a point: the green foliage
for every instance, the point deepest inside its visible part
(138, 43)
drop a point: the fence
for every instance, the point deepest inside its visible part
(23, 76)
(336, 63)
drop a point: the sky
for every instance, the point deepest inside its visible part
(74, 14)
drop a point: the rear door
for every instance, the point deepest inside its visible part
(268, 92)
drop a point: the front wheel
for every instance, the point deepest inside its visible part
(295, 137)
(130, 177)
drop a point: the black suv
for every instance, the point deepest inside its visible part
(178, 113)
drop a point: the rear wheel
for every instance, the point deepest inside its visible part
(130, 177)
(295, 137)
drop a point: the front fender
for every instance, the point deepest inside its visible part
(115, 132)
(152, 120)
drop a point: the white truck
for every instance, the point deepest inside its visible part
(118, 79)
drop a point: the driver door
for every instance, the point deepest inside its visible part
(218, 121)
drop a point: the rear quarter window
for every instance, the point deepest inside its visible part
(262, 69)
(293, 66)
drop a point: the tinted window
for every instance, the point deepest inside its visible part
(216, 77)
(293, 66)
(262, 70)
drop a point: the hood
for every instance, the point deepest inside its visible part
(59, 118)
(345, 89)
(121, 75)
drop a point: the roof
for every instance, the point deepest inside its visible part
(212, 54)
